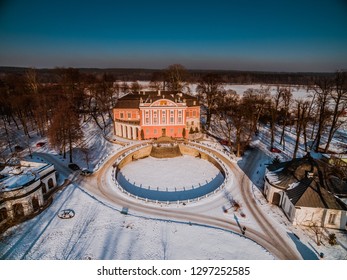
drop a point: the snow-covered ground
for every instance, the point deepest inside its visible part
(307, 243)
(170, 173)
(99, 231)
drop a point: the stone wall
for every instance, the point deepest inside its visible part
(142, 153)
(186, 150)
(166, 151)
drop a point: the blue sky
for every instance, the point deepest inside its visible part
(263, 35)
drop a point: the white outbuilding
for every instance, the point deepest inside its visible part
(25, 188)
(299, 188)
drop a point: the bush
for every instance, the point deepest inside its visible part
(332, 239)
(276, 160)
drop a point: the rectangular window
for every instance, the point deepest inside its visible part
(155, 117)
(121, 115)
(163, 117)
(171, 130)
(146, 117)
(179, 116)
(172, 116)
(332, 219)
(194, 113)
(129, 115)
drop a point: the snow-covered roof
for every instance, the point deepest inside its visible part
(17, 176)
(302, 179)
(288, 174)
(309, 193)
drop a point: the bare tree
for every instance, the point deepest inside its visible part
(322, 87)
(87, 154)
(176, 78)
(209, 90)
(274, 106)
(233, 118)
(135, 86)
(339, 97)
(65, 130)
(256, 100)
(157, 81)
(301, 116)
(287, 99)
(317, 231)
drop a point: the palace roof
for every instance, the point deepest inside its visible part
(133, 100)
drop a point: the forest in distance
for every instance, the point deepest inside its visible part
(58, 108)
(228, 76)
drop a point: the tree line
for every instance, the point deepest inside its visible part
(228, 76)
(237, 117)
(57, 109)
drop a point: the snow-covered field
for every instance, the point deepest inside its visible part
(173, 173)
(99, 231)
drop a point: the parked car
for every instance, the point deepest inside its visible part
(275, 150)
(18, 148)
(74, 166)
(224, 142)
(86, 172)
(40, 144)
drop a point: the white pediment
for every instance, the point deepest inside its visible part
(163, 103)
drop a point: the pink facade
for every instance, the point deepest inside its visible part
(156, 116)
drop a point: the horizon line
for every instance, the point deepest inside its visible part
(161, 69)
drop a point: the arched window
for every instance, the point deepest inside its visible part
(3, 214)
(43, 186)
(18, 210)
(50, 183)
(35, 203)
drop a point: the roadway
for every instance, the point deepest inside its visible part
(265, 231)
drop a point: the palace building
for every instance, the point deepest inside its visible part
(153, 114)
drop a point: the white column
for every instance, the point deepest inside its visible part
(120, 132)
(134, 133)
(117, 129)
(124, 134)
(129, 132)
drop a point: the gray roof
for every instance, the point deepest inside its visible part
(284, 174)
(303, 181)
(132, 100)
(309, 193)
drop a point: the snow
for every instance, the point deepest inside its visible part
(306, 243)
(16, 181)
(170, 173)
(17, 176)
(99, 231)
